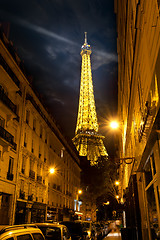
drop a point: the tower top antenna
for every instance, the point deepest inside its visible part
(85, 40)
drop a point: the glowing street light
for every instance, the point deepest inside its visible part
(117, 183)
(114, 125)
(52, 170)
(79, 191)
(117, 196)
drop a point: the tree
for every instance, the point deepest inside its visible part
(98, 181)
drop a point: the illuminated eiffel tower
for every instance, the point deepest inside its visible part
(87, 139)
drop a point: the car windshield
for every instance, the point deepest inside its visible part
(51, 233)
(74, 228)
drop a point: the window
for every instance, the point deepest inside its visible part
(45, 137)
(11, 238)
(2, 122)
(10, 166)
(24, 237)
(61, 153)
(37, 236)
(41, 131)
(22, 185)
(39, 151)
(51, 233)
(25, 140)
(27, 117)
(66, 233)
(34, 124)
(32, 146)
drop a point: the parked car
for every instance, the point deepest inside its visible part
(76, 229)
(99, 230)
(91, 229)
(54, 231)
(21, 232)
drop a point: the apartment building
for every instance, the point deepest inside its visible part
(31, 144)
(138, 48)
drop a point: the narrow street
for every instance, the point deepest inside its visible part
(113, 235)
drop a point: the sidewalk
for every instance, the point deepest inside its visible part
(113, 235)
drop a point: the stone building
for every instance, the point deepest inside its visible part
(31, 144)
(138, 48)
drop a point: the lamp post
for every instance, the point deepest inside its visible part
(50, 171)
(77, 202)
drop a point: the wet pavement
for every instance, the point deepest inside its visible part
(113, 235)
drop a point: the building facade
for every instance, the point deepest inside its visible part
(138, 48)
(31, 144)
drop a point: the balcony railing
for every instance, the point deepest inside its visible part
(10, 176)
(7, 137)
(5, 99)
(32, 174)
(9, 71)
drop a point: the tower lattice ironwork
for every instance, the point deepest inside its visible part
(87, 139)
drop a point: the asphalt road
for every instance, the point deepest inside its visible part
(113, 235)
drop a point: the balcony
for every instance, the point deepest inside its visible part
(7, 76)
(32, 174)
(39, 179)
(10, 176)
(6, 104)
(6, 138)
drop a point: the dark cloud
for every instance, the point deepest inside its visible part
(48, 35)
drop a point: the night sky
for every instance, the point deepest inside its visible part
(48, 35)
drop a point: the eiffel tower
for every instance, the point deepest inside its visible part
(87, 140)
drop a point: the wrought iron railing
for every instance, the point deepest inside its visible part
(5, 99)
(9, 71)
(8, 137)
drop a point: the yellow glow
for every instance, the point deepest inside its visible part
(79, 191)
(87, 140)
(107, 203)
(52, 170)
(117, 197)
(122, 201)
(116, 183)
(89, 233)
(114, 125)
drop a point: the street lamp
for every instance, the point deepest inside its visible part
(117, 183)
(52, 170)
(107, 203)
(79, 191)
(114, 124)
